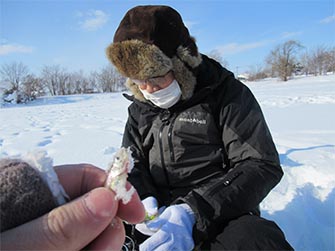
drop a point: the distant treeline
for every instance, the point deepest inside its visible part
(19, 85)
(289, 59)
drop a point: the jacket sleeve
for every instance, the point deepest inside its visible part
(251, 156)
(139, 177)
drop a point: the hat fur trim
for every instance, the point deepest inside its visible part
(138, 60)
(185, 78)
(134, 89)
(182, 74)
(185, 55)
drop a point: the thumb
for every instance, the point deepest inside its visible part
(69, 227)
(77, 224)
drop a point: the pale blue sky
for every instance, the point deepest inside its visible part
(75, 33)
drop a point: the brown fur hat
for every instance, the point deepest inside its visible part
(149, 42)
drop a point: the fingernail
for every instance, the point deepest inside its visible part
(115, 223)
(101, 203)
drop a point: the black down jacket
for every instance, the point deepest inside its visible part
(213, 151)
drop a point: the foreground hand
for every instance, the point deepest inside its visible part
(173, 230)
(93, 218)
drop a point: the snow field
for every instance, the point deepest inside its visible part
(300, 114)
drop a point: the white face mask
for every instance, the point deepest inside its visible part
(164, 98)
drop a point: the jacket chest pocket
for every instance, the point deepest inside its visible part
(195, 135)
(197, 128)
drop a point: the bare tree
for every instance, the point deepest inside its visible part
(33, 87)
(93, 80)
(22, 86)
(331, 55)
(257, 72)
(283, 59)
(305, 61)
(216, 55)
(318, 61)
(79, 83)
(109, 79)
(56, 80)
(14, 74)
(322, 60)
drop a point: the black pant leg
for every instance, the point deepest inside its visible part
(250, 232)
(133, 238)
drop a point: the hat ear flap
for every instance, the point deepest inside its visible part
(134, 89)
(184, 65)
(186, 79)
(186, 55)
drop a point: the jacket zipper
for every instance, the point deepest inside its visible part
(170, 145)
(161, 151)
(170, 139)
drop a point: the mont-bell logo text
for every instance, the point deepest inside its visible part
(193, 120)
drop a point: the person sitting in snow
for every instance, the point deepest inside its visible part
(204, 156)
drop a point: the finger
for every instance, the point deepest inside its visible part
(155, 241)
(133, 212)
(112, 238)
(143, 228)
(78, 179)
(167, 246)
(155, 224)
(69, 227)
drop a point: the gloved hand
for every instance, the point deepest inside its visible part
(173, 230)
(151, 211)
(151, 207)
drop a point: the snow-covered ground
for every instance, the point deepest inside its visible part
(300, 114)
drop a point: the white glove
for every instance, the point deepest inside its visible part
(172, 230)
(151, 212)
(151, 206)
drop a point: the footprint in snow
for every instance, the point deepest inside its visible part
(44, 143)
(109, 150)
